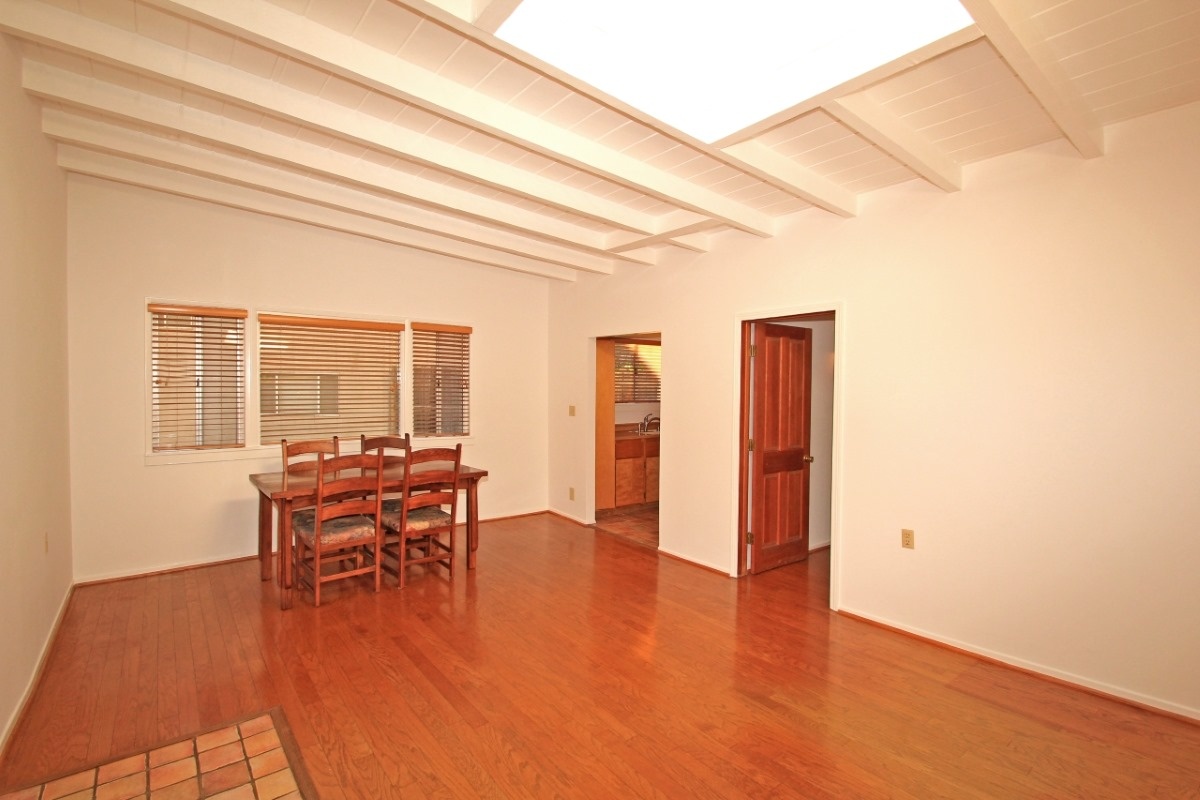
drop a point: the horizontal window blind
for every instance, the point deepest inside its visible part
(197, 377)
(638, 370)
(328, 377)
(441, 380)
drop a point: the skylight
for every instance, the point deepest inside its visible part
(713, 67)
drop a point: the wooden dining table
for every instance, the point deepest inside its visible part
(302, 491)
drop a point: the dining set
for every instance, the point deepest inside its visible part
(373, 513)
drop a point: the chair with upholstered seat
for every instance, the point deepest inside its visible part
(340, 536)
(419, 528)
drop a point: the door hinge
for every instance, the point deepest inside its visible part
(753, 350)
(750, 446)
(749, 537)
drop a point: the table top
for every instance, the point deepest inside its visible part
(302, 485)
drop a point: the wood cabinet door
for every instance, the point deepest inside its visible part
(631, 481)
(651, 479)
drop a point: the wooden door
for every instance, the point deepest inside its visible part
(782, 367)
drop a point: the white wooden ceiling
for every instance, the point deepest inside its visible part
(411, 123)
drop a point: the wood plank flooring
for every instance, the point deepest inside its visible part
(577, 665)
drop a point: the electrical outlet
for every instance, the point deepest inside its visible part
(907, 539)
(571, 493)
(570, 411)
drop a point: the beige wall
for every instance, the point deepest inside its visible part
(1017, 381)
(35, 533)
(127, 245)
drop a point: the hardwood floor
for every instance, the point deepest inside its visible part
(572, 664)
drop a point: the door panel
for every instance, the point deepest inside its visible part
(781, 434)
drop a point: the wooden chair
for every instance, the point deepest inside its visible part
(300, 458)
(340, 536)
(419, 526)
(394, 448)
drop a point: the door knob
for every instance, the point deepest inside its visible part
(808, 459)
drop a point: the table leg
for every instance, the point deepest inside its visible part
(286, 553)
(472, 522)
(265, 508)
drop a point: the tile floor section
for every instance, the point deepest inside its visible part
(638, 524)
(245, 761)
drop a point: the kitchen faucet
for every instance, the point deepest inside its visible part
(649, 420)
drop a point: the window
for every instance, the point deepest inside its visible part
(441, 380)
(638, 369)
(197, 377)
(315, 395)
(327, 377)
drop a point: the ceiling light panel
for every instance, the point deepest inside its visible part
(711, 69)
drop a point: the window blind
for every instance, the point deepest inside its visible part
(327, 377)
(197, 377)
(638, 368)
(441, 380)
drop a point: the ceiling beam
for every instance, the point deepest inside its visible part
(1010, 31)
(109, 167)
(124, 49)
(232, 169)
(491, 14)
(767, 165)
(308, 41)
(896, 138)
(114, 102)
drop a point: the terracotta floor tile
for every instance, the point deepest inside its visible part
(184, 790)
(266, 763)
(174, 772)
(69, 785)
(224, 778)
(119, 769)
(275, 785)
(220, 756)
(217, 738)
(256, 725)
(238, 762)
(123, 788)
(244, 792)
(261, 742)
(172, 752)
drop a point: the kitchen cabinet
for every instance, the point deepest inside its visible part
(636, 469)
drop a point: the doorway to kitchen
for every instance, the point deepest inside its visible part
(628, 428)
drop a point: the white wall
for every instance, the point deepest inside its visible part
(1018, 382)
(127, 245)
(35, 531)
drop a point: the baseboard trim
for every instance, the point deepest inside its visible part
(1180, 714)
(10, 726)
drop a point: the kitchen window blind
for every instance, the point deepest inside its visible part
(638, 366)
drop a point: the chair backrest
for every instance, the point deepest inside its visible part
(348, 485)
(431, 479)
(394, 448)
(300, 458)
